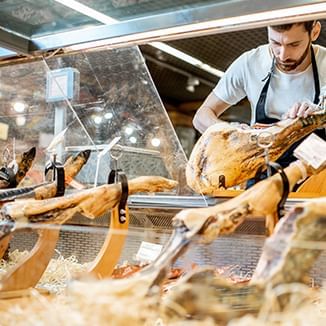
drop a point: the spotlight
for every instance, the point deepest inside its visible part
(108, 115)
(191, 83)
(19, 107)
(97, 120)
(129, 130)
(20, 120)
(156, 142)
(133, 140)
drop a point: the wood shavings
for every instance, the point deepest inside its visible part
(106, 302)
(59, 272)
(14, 257)
(56, 276)
(125, 302)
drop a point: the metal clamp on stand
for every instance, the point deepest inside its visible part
(264, 140)
(286, 186)
(8, 174)
(58, 175)
(115, 176)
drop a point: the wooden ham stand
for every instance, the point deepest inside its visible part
(29, 270)
(315, 184)
(103, 265)
(108, 257)
(27, 273)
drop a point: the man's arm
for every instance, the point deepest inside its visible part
(209, 112)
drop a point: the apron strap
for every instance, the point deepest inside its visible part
(316, 77)
(260, 106)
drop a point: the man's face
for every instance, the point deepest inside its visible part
(290, 48)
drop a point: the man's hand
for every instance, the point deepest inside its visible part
(301, 110)
(240, 125)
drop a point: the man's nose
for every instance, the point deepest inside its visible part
(283, 53)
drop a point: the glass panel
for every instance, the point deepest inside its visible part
(112, 95)
(6, 53)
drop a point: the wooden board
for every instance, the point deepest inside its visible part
(109, 255)
(4, 244)
(315, 183)
(28, 272)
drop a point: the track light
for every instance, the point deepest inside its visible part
(192, 82)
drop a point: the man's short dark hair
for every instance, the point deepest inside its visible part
(285, 27)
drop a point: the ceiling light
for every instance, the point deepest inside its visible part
(19, 107)
(191, 83)
(97, 120)
(20, 120)
(107, 20)
(108, 115)
(187, 58)
(155, 142)
(133, 140)
(129, 130)
(190, 88)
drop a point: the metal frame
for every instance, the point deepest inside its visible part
(174, 25)
(181, 202)
(14, 42)
(184, 23)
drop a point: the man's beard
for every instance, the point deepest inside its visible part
(290, 65)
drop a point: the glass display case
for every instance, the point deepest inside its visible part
(112, 99)
(103, 99)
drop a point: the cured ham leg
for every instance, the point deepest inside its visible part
(91, 203)
(288, 255)
(47, 190)
(71, 167)
(24, 163)
(232, 152)
(261, 200)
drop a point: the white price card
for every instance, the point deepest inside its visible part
(312, 151)
(148, 251)
(4, 129)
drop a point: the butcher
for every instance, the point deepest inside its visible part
(281, 80)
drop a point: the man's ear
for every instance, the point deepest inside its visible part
(315, 31)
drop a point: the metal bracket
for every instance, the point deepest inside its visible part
(286, 186)
(58, 175)
(114, 177)
(9, 176)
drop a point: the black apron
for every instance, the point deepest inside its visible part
(261, 116)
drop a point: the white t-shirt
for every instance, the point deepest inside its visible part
(244, 78)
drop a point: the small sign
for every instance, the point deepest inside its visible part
(148, 251)
(4, 129)
(312, 151)
(62, 84)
